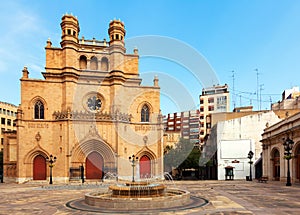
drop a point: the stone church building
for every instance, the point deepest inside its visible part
(90, 110)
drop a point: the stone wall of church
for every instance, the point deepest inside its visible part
(90, 100)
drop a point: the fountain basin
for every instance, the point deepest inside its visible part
(172, 198)
(137, 189)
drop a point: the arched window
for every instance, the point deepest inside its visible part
(145, 113)
(104, 64)
(39, 110)
(82, 62)
(94, 63)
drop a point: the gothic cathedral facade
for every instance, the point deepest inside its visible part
(89, 111)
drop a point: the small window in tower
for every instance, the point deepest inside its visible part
(69, 31)
(94, 63)
(74, 33)
(104, 64)
(117, 36)
(82, 62)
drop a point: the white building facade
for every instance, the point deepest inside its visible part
(233, 139)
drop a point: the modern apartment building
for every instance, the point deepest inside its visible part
(186, 123)
(8, 113)
(213, 99)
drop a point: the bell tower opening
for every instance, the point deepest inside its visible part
(116, 32)
(70, 28)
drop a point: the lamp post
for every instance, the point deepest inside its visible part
(51, 161)
(288, 145)
(133, 159)
(250, 156)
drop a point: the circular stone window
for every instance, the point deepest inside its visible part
(93, 102)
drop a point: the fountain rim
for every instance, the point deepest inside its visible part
(176, 193)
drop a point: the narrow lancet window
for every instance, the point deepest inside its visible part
(39, 110)
(145, 114)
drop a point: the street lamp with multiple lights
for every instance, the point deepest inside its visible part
(51, 160)
(133, 159)
(288, 146)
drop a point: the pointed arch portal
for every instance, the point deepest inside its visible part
(145, 167)
(94, 166)
(39, 168)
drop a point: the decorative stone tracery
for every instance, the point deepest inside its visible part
(116, 116)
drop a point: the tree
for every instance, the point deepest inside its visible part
(192, 161)
(182, 156)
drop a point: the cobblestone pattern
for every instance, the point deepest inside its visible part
(225, 198)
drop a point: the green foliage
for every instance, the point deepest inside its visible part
(182, 156)
(192, 161)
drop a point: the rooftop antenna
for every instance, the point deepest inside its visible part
(260, 89)
(257, 87)
(233, 96)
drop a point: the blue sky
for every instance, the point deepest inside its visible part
(238, 36)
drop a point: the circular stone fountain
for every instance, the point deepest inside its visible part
(138, 195)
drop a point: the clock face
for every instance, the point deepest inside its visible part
(94, 103)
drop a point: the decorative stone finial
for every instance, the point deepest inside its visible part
(155, 81)
(49, 43)
(25, 72)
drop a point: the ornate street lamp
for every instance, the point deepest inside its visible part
(51, 161)
(250, 156)
(133, 160)
(288, 145)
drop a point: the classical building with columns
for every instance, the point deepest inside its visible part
(275, 165)
(89, 111)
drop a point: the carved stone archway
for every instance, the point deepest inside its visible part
(82, 150)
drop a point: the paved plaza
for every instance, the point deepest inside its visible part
(224, 197)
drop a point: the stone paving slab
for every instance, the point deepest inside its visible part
(225, 197)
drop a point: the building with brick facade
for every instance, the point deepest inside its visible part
(90, 110)
(182, 125)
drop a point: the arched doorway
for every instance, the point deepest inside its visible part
(297, 153)
(39, 168)
(94, 166)
(145, 167)
(276, 165)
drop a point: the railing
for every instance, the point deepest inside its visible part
(93, 42)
